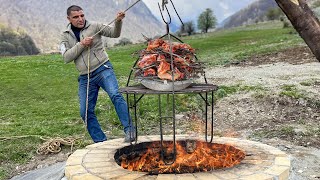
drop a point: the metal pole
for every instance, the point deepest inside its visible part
(135, 117)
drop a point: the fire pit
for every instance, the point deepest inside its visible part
(97, 161)
(176, 156)
(192, 156)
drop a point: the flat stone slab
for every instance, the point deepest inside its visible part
(54, 172)
(97, 162)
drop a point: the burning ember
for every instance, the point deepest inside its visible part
(191, 156)
(155, 61)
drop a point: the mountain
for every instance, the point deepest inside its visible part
(190, 10)
(250, 14)
(44, 20)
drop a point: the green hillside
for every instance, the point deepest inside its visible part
(38, 94)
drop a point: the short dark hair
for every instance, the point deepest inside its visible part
(73, 8)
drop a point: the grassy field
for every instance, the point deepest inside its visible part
(38, 94)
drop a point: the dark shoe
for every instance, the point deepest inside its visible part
(130, 136)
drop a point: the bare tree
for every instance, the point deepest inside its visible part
(304, 21)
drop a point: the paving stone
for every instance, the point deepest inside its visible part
(101, 170)
(166, 177)
(102, 156)
(258, 177)
(98, 151)
(282, 161)
(185, 177)
(86, 177)
(74, 160)
(80, 152)
(95, 145)
(132, 176)
(97, 165)
(74, 170)
(206, 176)
(225, 175)
(278, 153)
(252, 161)
(97, 160)
(282, 172)
(242, 172)
(114, 174)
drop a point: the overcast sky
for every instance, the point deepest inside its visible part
(190, 9)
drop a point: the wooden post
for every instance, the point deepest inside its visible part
(304, 21)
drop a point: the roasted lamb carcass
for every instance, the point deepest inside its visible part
(147, 60)
(155, 60)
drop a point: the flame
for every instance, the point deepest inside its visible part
(191, 156)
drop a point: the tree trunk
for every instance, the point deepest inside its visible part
(304, 21)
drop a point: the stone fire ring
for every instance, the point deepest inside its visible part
(96, 162)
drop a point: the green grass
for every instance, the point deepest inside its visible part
(224, 91)
(291, 91)
(38, 94)
(222, 47)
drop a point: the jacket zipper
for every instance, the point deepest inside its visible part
(96, 56)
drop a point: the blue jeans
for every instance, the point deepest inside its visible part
(105, 78)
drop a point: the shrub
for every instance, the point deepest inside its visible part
(123, 42)
(13, 43)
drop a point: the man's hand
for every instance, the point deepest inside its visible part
(87, 41)
(120, 16)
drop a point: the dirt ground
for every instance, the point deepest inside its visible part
(290, 124)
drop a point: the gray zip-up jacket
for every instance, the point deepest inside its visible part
(72, 50)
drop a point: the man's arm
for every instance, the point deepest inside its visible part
(70, 53)
(115, 31)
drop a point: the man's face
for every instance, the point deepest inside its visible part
(77, 19)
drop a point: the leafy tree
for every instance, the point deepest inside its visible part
(207, 20)
(274, 13)
(13, 43)
(188, 28)
(7, 49)
(29, 45)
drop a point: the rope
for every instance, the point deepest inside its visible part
(88, 84)
(54, 145)
(88, 75)
(116, 18)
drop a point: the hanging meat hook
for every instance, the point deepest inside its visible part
(164, 6)
(164, 2)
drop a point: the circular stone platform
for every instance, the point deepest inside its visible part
(96, 162)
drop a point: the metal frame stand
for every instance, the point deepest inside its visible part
(194, 88)
(137, 92)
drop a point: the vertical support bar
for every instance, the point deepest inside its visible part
(135, 116)
(206, 116)
(167, 110)
(174, 126)
(212, 118)
(130, 120)
(161, 134)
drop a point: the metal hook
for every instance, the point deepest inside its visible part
(166, 22)
(177, 13)
(164, 2)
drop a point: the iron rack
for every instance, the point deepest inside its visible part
(139, 91)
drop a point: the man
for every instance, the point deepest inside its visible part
(82, 44)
